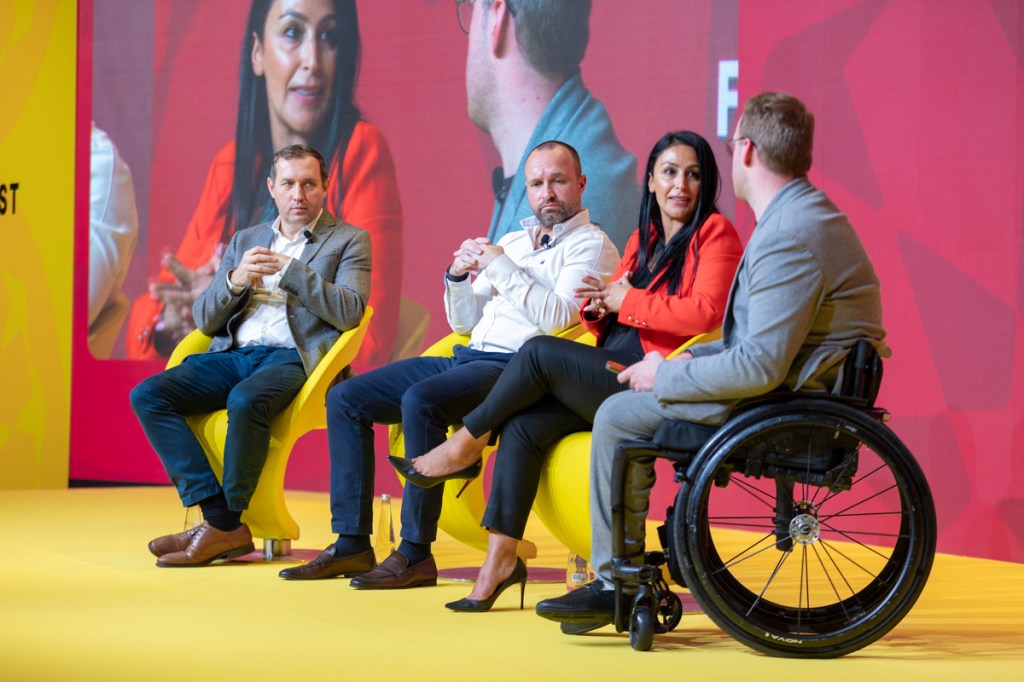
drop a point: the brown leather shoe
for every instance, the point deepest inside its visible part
(165, 544)
(209, 544)
(395, 573)
(326, 566)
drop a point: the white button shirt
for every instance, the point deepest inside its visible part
(528, 292)
(266, 317)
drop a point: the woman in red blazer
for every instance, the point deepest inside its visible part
(671, 285)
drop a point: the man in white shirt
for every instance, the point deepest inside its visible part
(284, 293)
(524, 288)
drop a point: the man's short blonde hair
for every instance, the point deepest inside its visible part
(782, 129)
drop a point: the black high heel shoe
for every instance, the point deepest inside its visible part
(467, 605)
(405, 468)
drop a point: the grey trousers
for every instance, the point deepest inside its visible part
(625, 417)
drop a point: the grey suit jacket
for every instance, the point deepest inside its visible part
(327, 287)
(804, 292)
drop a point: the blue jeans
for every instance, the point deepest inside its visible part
(426, 395)
(254, 384)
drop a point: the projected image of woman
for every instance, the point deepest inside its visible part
(299, 66)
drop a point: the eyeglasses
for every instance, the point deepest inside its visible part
(731, 142)
(464, 12)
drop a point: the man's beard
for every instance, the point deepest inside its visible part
(551, 218)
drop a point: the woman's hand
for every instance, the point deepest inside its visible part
(592, 289)
(615, 292)
(604, 298)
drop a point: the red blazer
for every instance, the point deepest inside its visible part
(368, 198)
(668, 321)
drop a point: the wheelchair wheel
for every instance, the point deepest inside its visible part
(810, 529)
(641, 627)
(669, 611)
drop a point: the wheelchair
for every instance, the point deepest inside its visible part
(803, 527)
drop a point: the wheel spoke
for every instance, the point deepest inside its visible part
(735, 560)
(849, 534)
(860, 502)
(771, 578)
(757, 522)
(828, 576)
(755, 492)
(778, 557)
(805, 586)
(832, 493)
(835, 548)
(859, 481)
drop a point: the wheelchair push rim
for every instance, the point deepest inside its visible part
(810, 529)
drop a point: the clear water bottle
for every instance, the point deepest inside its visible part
(193, 517)
(577, 572)
(384, 544)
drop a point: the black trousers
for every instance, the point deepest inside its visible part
(551, 388)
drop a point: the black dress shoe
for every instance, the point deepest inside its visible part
(405, 468)
(582, 627)
(588, 603)
(326, 566)
(395, 573)
(518, 575)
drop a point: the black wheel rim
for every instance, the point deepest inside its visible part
(846, 559)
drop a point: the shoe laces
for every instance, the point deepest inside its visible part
(199, 530)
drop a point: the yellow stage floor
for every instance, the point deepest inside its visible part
(81, 599)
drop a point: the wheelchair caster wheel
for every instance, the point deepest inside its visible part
(669, 612)
(641, 628)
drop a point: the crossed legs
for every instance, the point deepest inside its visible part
(550, 389)
(426, 395)
(570, 373)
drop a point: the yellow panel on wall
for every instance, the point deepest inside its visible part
(37, 195)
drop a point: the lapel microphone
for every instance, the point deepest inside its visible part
(545, 241)
(308, 235)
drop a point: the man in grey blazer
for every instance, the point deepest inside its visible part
(284, 293)
(804, 292)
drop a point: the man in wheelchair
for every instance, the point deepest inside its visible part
(804, 294)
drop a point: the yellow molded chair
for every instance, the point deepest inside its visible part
(267, 515)
(413, 321)
(460, 516)
(563, 498)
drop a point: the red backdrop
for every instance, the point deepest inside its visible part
(918, 140)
